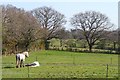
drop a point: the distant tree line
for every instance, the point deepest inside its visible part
(74, 40)
(29, 30)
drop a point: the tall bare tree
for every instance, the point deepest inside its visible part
(93, 25)
(20, 28)
(50, 21)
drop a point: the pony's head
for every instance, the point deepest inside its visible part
(26, 54)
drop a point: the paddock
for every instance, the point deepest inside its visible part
(63, 64)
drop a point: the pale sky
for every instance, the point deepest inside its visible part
(109, 8)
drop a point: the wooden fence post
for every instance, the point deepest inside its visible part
(36, 58)
(107, 71)
(74, 59)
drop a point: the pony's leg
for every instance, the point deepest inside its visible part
(16, 63)
(21, 63)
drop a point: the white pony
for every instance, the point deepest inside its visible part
(20, 59)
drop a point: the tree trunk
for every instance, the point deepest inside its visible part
(90, 48)
(46, 44)
(26, 46)
(16, 48)
(114, 43)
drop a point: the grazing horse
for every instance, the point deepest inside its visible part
(20, 58)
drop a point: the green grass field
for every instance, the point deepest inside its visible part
(61, 64)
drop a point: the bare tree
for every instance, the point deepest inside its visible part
(9, 27)
(50, 21)
(20, 28)
(29, 30)
(93, 25)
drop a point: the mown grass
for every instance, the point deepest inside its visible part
(62, 64)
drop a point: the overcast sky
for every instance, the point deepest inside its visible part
(110, 8)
